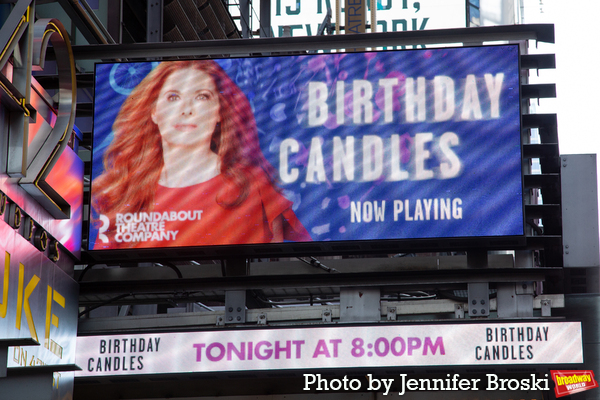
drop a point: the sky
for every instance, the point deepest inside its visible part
(577, 52)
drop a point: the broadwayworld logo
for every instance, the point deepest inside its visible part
(569, 382)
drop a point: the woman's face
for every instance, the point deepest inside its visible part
(187, 109)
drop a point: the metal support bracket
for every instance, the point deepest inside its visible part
(479, 299)
(546, 307)
(459, 311)
(235, 306)
(391, 314)
(262, 319)
(360, 304)
(154, 21)
(3, 360)
(515, 300)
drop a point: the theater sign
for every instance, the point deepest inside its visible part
(41, 203)
(472, 344)
(39, 304)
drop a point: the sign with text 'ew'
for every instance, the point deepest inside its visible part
(477, 344)
(304, 16)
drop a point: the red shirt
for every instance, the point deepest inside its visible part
(191, 216)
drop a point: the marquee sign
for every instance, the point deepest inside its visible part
(480, 344)
(38, 304)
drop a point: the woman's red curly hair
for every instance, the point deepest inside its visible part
(134, 160)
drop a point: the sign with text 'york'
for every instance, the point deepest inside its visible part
(304, 16)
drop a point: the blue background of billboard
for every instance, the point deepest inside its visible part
(490, 149)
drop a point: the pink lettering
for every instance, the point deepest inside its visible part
(298, 344)
(413, 344)
(267, 352)
(199, 347)
(335, 343)
(220, 348)
(287, 349)
(239, 353)
(321, 349)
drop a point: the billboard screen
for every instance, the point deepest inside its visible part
(400, 145)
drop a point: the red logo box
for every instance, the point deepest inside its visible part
(569, 382)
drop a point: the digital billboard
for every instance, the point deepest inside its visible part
(390, 145)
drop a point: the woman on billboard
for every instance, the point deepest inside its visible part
(185, 167)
